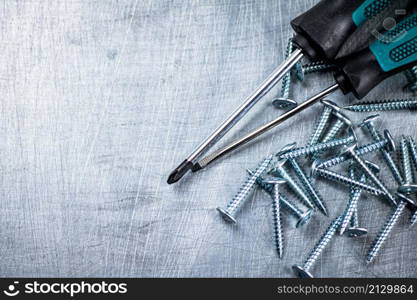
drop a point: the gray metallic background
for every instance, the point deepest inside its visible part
(102, 99)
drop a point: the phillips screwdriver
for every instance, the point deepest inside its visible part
(320, 33)
(359, 73)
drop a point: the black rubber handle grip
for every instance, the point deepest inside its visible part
(322, 30)
(392, 52)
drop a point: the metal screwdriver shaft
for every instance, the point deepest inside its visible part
(252, 135)
(264, 88)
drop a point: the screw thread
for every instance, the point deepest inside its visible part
(389, 160)
(307, 150)
(295, 187)
(331, 134)
(385, 232)
(315, 196)
(286, 80)
(373, 178)
(348, 181)
(413, 150)
(352, 206)
(239, 198)
(414, 218)
(385, 105)
(320, 126)
(331, 162)
(322, 243)
(376, 136)
(354, 221)
(406, 161)
(286, 204)
(276, 213)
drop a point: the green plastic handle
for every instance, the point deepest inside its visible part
(398, 46)
(368, 10)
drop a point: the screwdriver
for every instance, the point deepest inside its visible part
(359, 73)
(320, 33)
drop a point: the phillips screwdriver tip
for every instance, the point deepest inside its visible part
(179, 171)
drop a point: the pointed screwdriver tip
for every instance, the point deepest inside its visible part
(179, 171)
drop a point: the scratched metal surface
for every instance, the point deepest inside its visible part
(102, 99)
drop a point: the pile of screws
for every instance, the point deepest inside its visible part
(333, 131)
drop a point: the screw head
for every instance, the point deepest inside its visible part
(305, 218)
(353, 134)
(281, 103)
(369, 120)
(348, 150)
(314, 167)
(280, 163)
(374, 167)
(301, 273)
(356, 232)
(274, 180)
(342, 117)
(407, 188)
(333, 106)
(391, 144)
(286, 149)
(226, 216)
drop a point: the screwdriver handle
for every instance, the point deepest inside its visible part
(392, 52)
(322, 30)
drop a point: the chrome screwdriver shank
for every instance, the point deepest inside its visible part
(264, 88)
(259, 131)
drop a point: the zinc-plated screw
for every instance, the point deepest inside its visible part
(304, 270)
(387, 228)
(369, 125)
(303, 151)
(302, 217)
(411, 75)
(308, 185)
(345, 180)
(280, 171)
(408, 186)
(229, 213)
(385, 105)
(276, 212)
(318, 66)
(341, 123)
(355, 230)
(361, 151)
(352, 206)
(413, 149)
(322, 122)
(370, 174)
(414, 219)
(284, 100)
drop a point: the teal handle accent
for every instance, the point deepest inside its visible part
(368, 10)
(398, 46)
